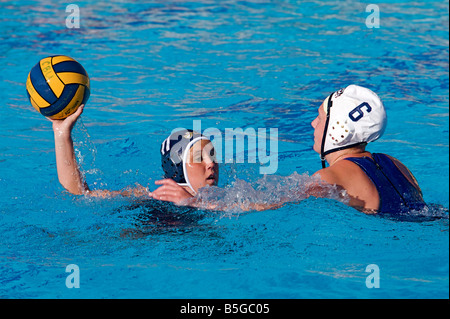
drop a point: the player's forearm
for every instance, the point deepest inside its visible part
(221, 206)
(138, 191)
(68, 172)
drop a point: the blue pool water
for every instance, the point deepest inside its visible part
(159, 65)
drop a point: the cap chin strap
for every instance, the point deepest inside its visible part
(322, 152)
(185, 155)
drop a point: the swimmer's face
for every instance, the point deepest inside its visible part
(201, 165)
(319, 126)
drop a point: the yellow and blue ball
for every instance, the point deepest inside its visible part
(57, 86)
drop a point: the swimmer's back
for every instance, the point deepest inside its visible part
(398, 190)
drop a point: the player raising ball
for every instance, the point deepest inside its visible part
(348, 119)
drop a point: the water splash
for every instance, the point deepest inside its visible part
(86, 154)
(268, 192)
(273, 191)
(83, 144)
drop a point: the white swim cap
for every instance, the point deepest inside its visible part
(355, 115)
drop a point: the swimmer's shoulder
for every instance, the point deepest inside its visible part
(341, 172)
(354, 180)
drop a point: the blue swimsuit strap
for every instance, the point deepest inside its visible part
(376, 172)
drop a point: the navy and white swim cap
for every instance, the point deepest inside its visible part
(174, 153)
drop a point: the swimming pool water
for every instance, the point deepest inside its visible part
(159, 65)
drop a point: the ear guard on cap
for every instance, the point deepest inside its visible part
(340, 131)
